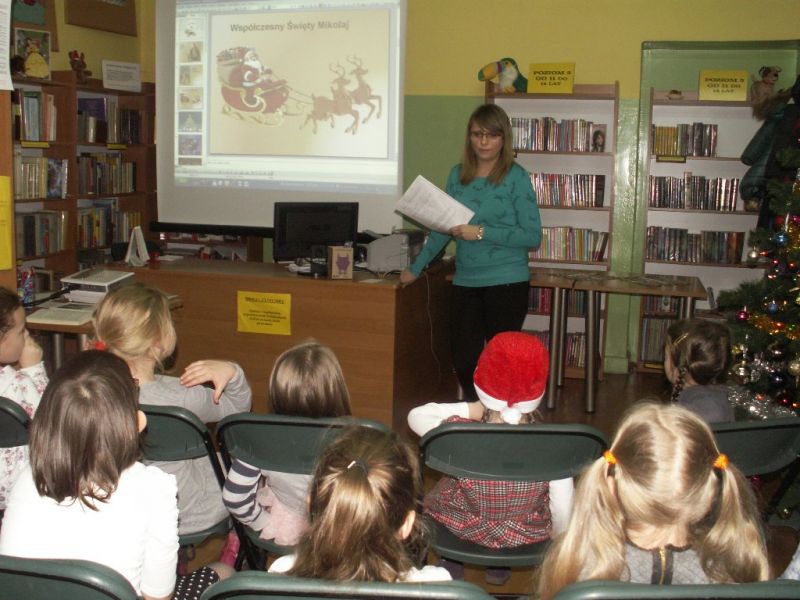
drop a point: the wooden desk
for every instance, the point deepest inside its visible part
(392, 341)
(596, 283)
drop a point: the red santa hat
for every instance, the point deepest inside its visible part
(511, 375)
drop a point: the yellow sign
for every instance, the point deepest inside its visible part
(260, 312)
(6, 221)
(728, 86)
(551, 78)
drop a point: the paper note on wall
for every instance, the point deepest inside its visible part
(6, 222)
(728, 86)
(261, 312)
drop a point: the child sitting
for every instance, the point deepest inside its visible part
(306, 381)
(134, 322)
(363, 521)
(510, 381)
(662, 506)
(85, 496)
(23, 385)
(696, 359)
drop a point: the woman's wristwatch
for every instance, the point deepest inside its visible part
(479, 235)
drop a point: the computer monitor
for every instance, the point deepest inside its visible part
(298, 226)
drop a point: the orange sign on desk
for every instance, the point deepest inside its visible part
(262, 312)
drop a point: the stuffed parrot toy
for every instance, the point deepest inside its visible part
(507, 74)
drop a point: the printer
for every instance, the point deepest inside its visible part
(394, 252)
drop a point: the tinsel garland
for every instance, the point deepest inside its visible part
(756, 406)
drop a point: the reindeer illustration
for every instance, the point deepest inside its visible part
(363, 93)
(325, 108)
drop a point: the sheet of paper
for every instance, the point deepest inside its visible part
(429, 206)
(5, 44)
(137, 255)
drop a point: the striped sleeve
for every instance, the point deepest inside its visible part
(239, 495)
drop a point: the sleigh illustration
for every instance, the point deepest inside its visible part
(248, 88)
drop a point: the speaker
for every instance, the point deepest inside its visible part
(319, 260)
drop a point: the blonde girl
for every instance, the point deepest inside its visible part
(306, 381)
(363, 517)
(661, 506)
(134, 322)
(22, 379)
(696, 360)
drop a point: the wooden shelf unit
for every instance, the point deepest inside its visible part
(736, 126)
(66, 91)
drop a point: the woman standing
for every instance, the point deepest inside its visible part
(490, 291)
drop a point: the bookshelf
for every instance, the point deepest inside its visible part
(80, 184)
(553, 135)
(696, 221)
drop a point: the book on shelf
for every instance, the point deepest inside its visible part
(685, 139)
(539, 301)
(693, 192)
(575, 350)
(653, 334)
(570, 244)
(679, 245)
(40, 232)
(567, 190)
(93, 119)
(57, 177)
(34, 115)
(545, 134)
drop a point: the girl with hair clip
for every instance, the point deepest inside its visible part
(696, 360)
(85, 496)
(490, 288)
(22, 380)
(134, 322)
(662, 506)
(510, 382)
(306, 381)
(363, 521)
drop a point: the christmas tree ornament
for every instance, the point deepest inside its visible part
(777, 380)
(781, 239)
(752, 256)
(740, 372)
(784, 398)
(776, 351)
(794, 368)
(743, 315)
(773, 307)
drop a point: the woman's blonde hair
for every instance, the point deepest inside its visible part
(365, 484)
(664, 476)
(307, 381)
(493, 119)
(134, 321)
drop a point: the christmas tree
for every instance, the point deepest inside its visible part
(765, 314)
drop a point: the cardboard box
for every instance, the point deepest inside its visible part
(340, 262)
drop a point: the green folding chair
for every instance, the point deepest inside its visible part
(14, 422)
(505, 453)
(278, 443)
(760, 447)
(45, 579)
(174, 433)
(620, 590)
(257, 586)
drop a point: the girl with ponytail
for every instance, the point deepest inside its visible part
(363, 519)
(662, 506)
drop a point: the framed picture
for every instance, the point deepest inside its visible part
(116, 16)
(40, 15)
(33, 46)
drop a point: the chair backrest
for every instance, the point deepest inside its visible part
(758, 447)
(618, 590)
(44, 579)
(14, 422)
(253, 585)
(511, 452)
(175, 433)
(279, 442)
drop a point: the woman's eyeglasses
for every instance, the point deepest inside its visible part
(481, 135)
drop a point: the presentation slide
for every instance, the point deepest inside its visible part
(269, 101)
